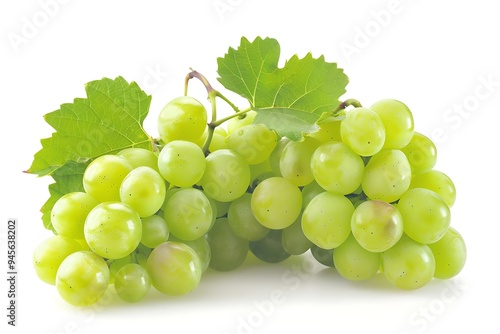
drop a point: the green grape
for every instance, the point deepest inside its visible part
(242, 221)
(154, 231)
(354, 262)
(50, 253)
(132, 283)
(438, 182)
(276, 202)
(425, 214)
(82, 278)
(408, 264)
(189, 214)
(328, 131)
(201, 247)
(183, 118)
(323, 256)
(181, 163)
(226, 177)
(254, 142)
(113, 230)
(138, 157)
(69, 212)
(236, 123)
(275, 157)
(450, 254)
(377, 225)
(421, 153)
(103, 176)
(115, 265)
(174, 268)
(398, 122)
(309, 192)
(295, 161)
(293, 239)
(337, 168)
(387, 176)
(144, 190)
(363, 131)
(326, 221)
(228, 251)
(270, 248)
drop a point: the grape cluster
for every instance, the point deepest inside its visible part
(361, 194)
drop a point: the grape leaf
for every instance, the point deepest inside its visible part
(67, 179)
(109, 119)
(304, 87)
(289, 123)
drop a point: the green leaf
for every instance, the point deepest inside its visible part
(109, 119)
(308, 85)
(67, 179)
(289, 123)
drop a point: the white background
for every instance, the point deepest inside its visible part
(440, 57)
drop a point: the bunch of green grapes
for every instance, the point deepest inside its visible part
(360, 195)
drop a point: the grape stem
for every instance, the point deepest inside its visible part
(213, 94)
(348, 103)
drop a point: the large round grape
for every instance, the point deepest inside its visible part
(113, 230)
(50, 253)
(104, 175)
(144, 190)
(337, 168)
(326, 220)
(183, 118)
(421, 153)
(377, 225)
(226, 177)
(188, 214)
(425, 214)
(276, 202)
(254, 142)
(408, 264)
(450, 254)
(398, 122)
(363, 131)
(295, 161)
(387, 176)
(354, 262)
(82, 278)
(181, 163)
(69, 213)
(174, 268)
